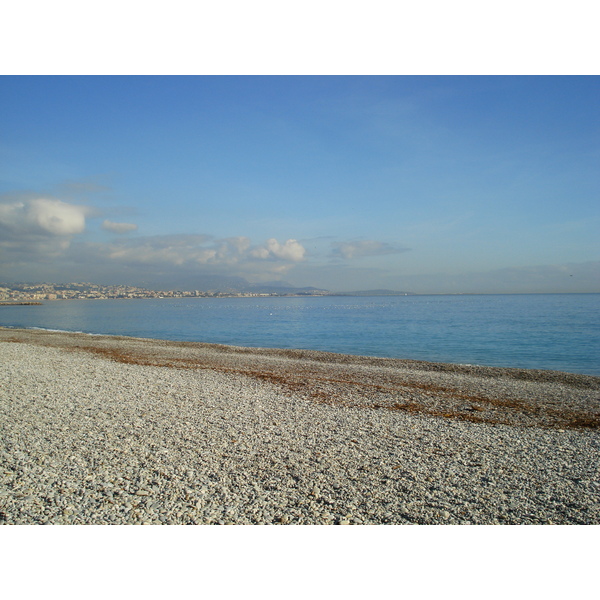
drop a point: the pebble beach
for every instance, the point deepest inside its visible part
(115, 430)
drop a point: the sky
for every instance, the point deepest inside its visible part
(425, 184)
(424, 180)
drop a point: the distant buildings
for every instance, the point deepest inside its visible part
(24, 292)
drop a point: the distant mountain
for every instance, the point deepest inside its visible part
(275, 283)
(281, 287)
(218, 283)
(374, 293)
(205, 283)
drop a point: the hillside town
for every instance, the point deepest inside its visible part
(34, 292)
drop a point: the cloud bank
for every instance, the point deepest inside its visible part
(581, 277)
(43, 229)
(196, 250)
(44, 239)
(46, 233)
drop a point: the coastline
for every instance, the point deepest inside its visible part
(109, 429)
(489, 331)
(20, 303)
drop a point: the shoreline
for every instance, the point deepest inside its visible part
(524, 372)
(19, 303)
(465, 392)
(109, 429)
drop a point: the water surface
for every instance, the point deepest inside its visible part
(541, 331)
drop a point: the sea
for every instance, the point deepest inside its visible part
(533, 331)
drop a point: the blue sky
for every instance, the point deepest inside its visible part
(430, 184)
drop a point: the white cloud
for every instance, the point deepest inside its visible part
(292, 250)
(119, 228)
(357, 249)
(38, 228)
(42, 216)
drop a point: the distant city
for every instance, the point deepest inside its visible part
(24, 292)
(35, 292)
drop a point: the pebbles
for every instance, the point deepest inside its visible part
(237, 436)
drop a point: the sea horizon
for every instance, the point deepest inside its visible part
(533, 331)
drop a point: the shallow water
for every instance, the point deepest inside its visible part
(537, 331)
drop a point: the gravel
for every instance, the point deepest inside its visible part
(113, 430)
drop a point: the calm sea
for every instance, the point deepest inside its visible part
(538, 331)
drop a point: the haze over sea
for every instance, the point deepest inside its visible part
(536, 331)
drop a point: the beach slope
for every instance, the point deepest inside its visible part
(106, 429)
